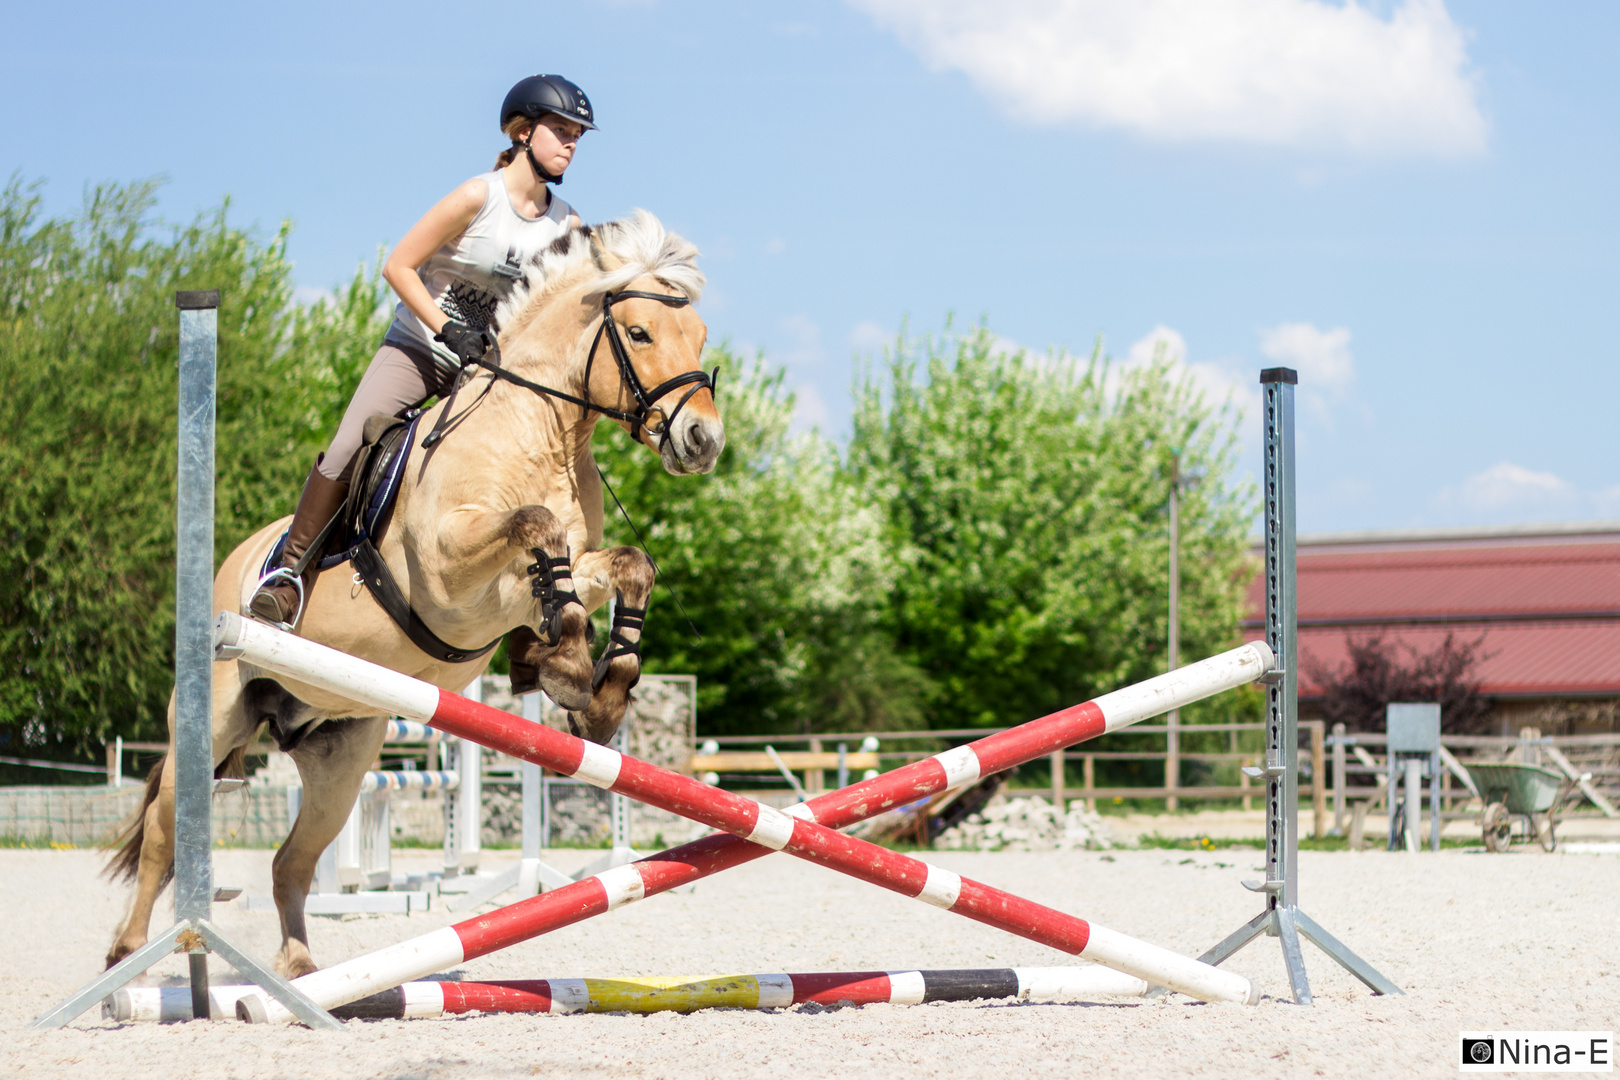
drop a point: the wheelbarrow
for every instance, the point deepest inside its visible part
(1512, 790)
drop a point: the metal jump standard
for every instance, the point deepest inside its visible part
(1282, 918)
(193, 932)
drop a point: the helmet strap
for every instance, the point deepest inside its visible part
(528, 150)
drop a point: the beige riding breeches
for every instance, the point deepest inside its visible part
(399, 379)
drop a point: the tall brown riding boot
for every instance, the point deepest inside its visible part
(277, 600)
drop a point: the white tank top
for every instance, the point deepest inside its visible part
(470, 276)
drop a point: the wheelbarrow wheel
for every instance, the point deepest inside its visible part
(1497, 827)
(1549, 842)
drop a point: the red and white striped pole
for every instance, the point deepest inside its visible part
(315, 665)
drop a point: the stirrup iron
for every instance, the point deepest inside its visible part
(297, 583)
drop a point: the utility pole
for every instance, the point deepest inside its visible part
(1172, 759)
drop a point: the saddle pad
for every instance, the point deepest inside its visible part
(373, 496)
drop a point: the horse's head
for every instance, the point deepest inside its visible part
(646, 359)
(648, 362)
(628, 288)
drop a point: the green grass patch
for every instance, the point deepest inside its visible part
(34, 843)
(1306, 843)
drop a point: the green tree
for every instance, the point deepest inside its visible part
(780, 566)
(88, 349)
(1025, 504)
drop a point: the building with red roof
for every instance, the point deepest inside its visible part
(1545, 600)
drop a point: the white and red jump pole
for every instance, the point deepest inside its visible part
(808, 832)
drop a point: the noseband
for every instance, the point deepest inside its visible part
(645, 399)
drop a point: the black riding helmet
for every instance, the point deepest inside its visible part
(540, 94)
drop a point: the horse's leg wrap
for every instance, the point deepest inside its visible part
(624, 618)
(545, 572)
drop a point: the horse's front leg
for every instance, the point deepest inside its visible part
(625, 575)
(550, 651)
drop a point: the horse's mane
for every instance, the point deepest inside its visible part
(623, 251)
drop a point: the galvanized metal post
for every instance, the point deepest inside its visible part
(620, 806)
(1282, 623)
(1282, 918)
(193, 932)
(1172, 738)
(193, 626)
(1436, 771)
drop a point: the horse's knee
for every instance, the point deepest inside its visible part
(633, 574)
(537, 527)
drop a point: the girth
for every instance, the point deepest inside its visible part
(373, 571)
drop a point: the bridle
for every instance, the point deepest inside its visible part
(645, 407)
(645, 400)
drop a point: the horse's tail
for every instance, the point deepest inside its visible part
(126, 861)
(125, 864)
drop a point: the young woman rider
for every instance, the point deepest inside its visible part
(450, 272)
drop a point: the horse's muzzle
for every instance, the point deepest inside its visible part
(694, 446)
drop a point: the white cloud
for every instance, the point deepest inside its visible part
(1296, 73)
(1322, 357)
(802, 357)
(1508, 487)
(869, 337)
(1219, 382)
(809, 408)
(1509, 494)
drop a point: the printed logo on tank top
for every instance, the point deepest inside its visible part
(466, 302)
(513, 267)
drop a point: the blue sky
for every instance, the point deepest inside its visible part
(1413, 203)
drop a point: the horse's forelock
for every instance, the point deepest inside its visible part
(642, 247)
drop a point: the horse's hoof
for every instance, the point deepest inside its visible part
(118, 952)
(567, 693)
(565, 674)
(295, 967)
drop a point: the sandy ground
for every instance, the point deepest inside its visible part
(1524, 940)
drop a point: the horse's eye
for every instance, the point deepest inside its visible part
(639, 336)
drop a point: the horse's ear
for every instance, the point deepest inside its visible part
(605, 260)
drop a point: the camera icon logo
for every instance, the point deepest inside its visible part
(1478, 1052)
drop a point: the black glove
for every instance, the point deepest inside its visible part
(469, 344)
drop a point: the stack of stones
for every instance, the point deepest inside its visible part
(1028, 824)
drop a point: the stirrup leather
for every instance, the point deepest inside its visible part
(297, 583)
(545, 571)
(624, 618)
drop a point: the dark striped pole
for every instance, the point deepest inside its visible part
(648, 995)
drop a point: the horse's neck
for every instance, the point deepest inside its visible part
(509, 446)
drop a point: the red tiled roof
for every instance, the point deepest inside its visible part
(1547, 604)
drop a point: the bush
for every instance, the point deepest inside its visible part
(88, 363)
(1025, 504)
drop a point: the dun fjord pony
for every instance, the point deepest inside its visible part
(497, 528)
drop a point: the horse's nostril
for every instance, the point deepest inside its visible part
(697, 438)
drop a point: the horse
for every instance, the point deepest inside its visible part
(497, 528)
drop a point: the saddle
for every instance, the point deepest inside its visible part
(378, 468)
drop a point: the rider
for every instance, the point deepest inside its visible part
(450, 272)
